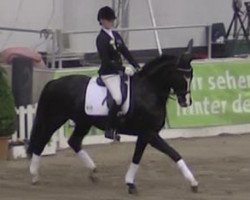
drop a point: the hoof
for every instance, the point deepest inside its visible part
(35, 179)
(93, 176)
(132, 188)
(117, 138)
(194, 188)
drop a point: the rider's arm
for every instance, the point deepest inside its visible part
(125, 52)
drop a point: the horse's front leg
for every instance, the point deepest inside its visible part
(141, 144)
(34, 168)
(160, 144)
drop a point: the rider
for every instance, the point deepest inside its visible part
(111, 46)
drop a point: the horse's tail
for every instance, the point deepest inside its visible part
(29, 149)
(40, 118)
(58, 101)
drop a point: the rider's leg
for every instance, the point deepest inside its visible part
(113, 83)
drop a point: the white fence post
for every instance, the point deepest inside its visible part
(62, 140)
(21, 124)
(30, 119)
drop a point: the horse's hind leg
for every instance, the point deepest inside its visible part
(75, 142)
(160, 144)
(40, 136)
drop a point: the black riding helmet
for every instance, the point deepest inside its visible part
(106, 13)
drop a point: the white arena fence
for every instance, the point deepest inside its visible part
(26, 116)
(20, 138)
(25, 119)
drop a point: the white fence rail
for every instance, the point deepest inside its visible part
(26, 116)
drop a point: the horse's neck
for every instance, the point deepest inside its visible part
(158, 82)
(158, 77)
(158, 74)
(158, 69)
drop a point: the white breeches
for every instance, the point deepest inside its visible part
(113, 83)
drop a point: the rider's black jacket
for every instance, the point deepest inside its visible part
(110, 51)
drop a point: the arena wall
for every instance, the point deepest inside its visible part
(29, 14)
(81, 15)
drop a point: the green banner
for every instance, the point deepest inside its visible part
(89, 71)
(220, 93)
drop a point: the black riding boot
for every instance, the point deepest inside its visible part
(112, 121)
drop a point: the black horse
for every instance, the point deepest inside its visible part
(64, 98)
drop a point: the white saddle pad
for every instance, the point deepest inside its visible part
(95, 103)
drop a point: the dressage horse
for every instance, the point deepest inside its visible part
(64, 99)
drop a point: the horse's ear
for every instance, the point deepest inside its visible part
(185, 59)
(187, 53)
(190, 46)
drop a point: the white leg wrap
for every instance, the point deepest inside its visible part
(85, 158)
(35, 164)
(34, 167)
(130, 176)
(186, 172)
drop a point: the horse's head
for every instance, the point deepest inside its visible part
(167, 71)
(182, 78)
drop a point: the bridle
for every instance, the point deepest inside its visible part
(171, 94)
(184, 70)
